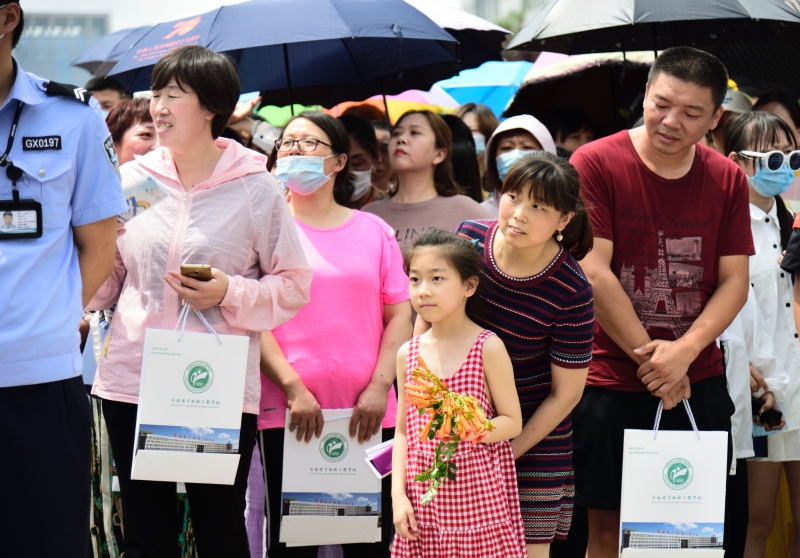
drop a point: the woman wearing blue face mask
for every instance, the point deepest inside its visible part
(341, 351)
(765, 147)
(512, 140)
(363, 155)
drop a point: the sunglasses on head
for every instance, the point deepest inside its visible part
(774, 160)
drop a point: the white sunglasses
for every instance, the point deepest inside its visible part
(774, 160)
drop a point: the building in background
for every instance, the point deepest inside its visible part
(51, 41)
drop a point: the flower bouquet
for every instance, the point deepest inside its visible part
(454, 418)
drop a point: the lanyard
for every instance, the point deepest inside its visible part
(12, 172)
(4, 159)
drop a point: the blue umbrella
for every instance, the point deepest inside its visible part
(345, 49)
(103, 55)
(493, 84)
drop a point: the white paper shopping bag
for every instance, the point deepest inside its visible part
(190, 406)
(329, 495)
(673, 492)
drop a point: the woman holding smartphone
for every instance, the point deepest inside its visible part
(223, 210)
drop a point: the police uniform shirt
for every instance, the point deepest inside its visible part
(63, 146)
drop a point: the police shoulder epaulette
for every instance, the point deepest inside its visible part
(71, 91)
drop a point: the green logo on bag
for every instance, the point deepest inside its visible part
(198, 377)
(678, 474)
(333, 447)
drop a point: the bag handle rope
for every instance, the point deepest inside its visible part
(184, 315)
(688, 412)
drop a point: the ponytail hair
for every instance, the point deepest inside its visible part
(554, 182)
(461, 254)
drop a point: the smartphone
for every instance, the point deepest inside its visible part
(772, 417)
(200, 272)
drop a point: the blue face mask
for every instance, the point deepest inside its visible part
(507, 160)
(302, 174)
(480, 142)
(770, 184)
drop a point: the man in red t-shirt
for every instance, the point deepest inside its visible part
(669, 270)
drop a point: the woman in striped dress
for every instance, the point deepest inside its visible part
(540, 305)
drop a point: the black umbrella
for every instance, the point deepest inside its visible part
(601, 85)
(763, 65)
(584, 26)
(321, 52)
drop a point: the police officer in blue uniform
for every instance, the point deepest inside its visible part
(59, 180)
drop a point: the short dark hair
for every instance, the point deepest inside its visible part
(565, 121)
(553, 181)
(563, 152)
(443, 173)
(17, 35)
(693, 66)
(487, 121)
(786, 101)
(340, 143)
(362, 132)
(465, 161)
(756, 131)
(460, 253)
(381, 125)
(100, 83)
(366, 111)
(208, 74)
(8, 213)
(125, 114)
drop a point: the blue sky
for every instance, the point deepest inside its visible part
(354, 498)
(220, 435)
(699, 529)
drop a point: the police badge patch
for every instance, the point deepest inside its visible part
(108, 147)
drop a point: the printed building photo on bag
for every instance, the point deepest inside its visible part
(187, 439)
(637, 535)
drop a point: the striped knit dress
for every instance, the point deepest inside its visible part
(544, 320)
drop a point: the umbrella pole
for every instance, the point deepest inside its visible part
(655, 40)
(288, 77)
(385, 105)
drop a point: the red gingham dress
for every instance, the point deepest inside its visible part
(478, 514)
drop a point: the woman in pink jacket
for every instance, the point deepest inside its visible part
(224, 210)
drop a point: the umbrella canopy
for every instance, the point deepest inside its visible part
(582, 26)
(103, 55)
(279, 116)
(435, 100)
(347, 46)
(493, 84)
(601, 85)
(764, 64)
(479, 40)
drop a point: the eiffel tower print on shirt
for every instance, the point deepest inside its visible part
(653, 299)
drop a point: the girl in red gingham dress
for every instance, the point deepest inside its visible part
(478, 514)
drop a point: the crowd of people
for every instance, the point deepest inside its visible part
(572, 285)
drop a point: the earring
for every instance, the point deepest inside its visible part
(559, 236)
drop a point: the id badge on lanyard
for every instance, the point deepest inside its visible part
(21, 219)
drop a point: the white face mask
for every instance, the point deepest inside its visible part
(362, 183)
(103, 112)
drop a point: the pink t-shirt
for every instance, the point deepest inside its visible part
(333, 341)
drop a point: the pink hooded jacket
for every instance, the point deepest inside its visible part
(236, 221)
